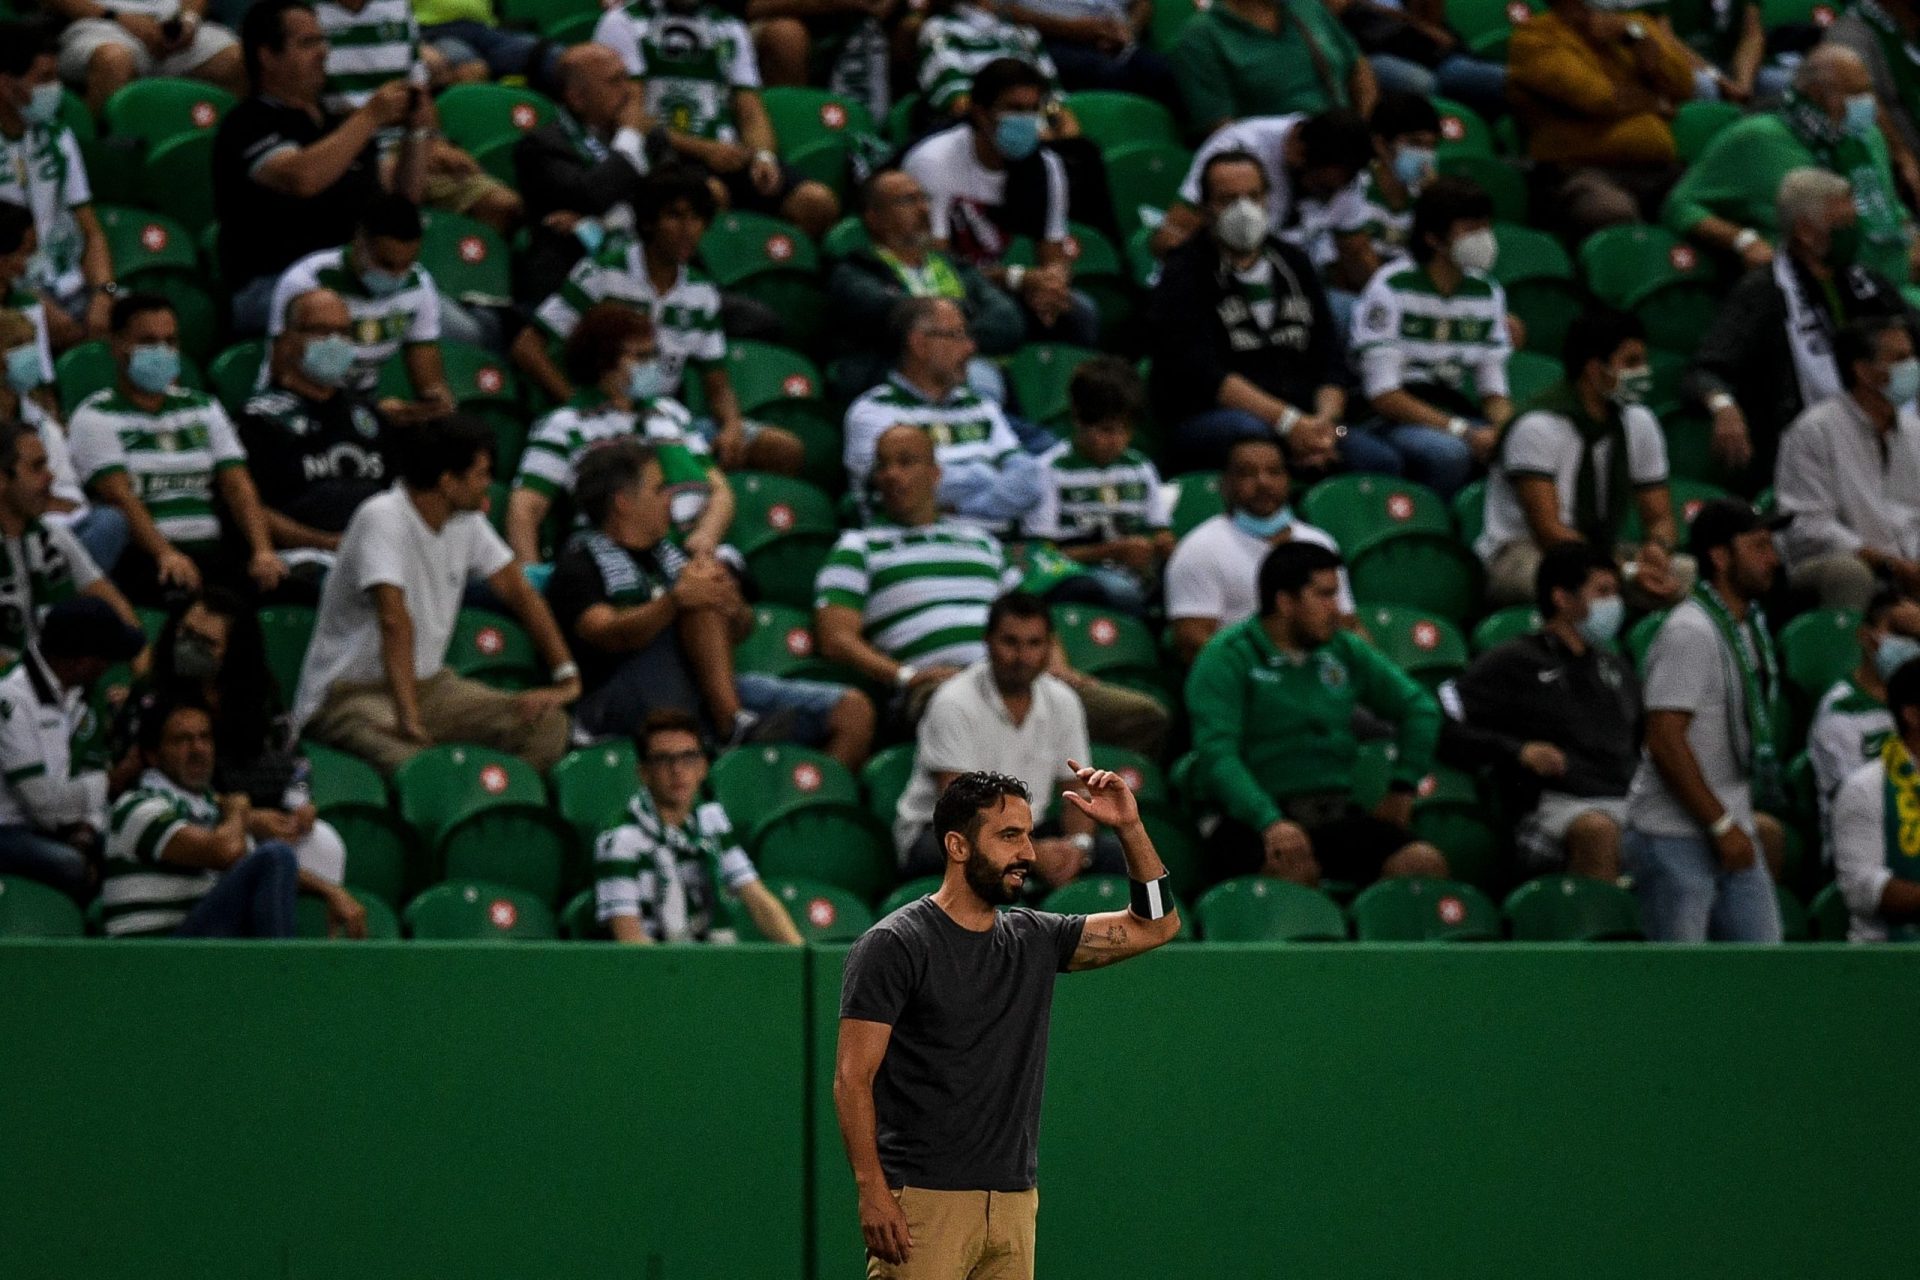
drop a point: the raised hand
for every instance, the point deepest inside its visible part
(1109, 800)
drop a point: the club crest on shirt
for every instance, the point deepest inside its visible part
(1332, 671)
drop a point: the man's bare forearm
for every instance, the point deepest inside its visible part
(859, 1126)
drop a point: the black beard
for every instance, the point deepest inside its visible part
(989, 884)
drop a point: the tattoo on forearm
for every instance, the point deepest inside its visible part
(1099, 946)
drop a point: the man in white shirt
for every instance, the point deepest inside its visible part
(1851, 723)
(991, 181)
(1008, 713)
(1849, 473)
(1876, 827)
(1213, 576)
(374, 682)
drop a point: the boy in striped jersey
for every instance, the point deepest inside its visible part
(961, 38)
(179, 861)
(160, 453)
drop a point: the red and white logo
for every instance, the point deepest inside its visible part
(799, 642)
(502, 914)
(1518, 13)
(807, 777)
(798, 386)
(1692, 508)
(523, 115)
(154, 237)
(490, 380)
(204, 115)
(1451, 910)
(1133, 779)
(489, 640)
(1102, 632)
(1823, 15)
(1073, 248)
(1399, 506)
(1683, 257)
(493, 779)
(1426, 786)
(833, 115)
(780, 516)
(820, 913)
(780, 247)
(473, 249)
(1426, 636)
(1452, 128)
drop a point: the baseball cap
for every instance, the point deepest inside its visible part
(87, 627)
(1719, 522)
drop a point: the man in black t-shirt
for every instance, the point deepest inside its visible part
(287, 177)
(943, 1032)
(317, 451)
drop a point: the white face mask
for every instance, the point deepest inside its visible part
(1242, 225)
(1475, 251)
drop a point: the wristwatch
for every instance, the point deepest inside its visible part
(904, 676)
(1636, 29)
(1458, 428)
(109, 287)
(1747, 238)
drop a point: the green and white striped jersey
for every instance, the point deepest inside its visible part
(666, 875)
(1406, 333)
(141, 893)
(1388, 228)
(42, 172)
(691, 63)
(1849, 727)
(44, 729)
(1082, 501)
(965, 427)
(43, 566)
(172, 456)
(366, 47)
(922, 593)
(382, 324)
(686, 319)
(562, 438)
(956, 44)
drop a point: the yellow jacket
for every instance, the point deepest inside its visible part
(1567, 92)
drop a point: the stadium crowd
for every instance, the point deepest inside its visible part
(554, 469)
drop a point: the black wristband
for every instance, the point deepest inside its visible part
(1151, 899)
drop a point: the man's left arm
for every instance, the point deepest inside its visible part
(527, 605)
(1151, 920)
(264, 565)
(96, 267)
(1393, 695)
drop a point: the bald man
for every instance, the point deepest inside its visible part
(316, 449)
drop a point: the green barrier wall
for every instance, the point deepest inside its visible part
(224, 1111)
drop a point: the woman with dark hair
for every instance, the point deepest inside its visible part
(212, 649)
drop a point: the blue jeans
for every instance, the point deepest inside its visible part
(1480, 84)
(103, 532)
(1434, 458)
(251, 303)
(506, 53)
(1139, 70)
(1686, 896)
(254, 899)
(30, 852)
(1203, 441)
(809, 702)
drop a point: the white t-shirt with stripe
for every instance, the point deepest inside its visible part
(172, 456)
(366, 48)
(38, 724)
(1547, 445)
(1406, 333)
(965, 427)
(42, 171)
(382, 324)
(686, 318)
(142, 893)
(922, 593)
(1083, 501)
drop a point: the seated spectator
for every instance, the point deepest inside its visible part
(1851, 722)
(1874, 835)
(958, 39)
(1579, 466)
(1314, 199)
(658, 877)
(654, 274)
(1412, 50)
(316, 447)
(1849, 474)
(1693, 844)
(1102, 505)
(394, 304)
(369, 42)
(179, 859)
(905, 602)
(1244, 58)
(44, 562)
(985, 478)
(213, 650)
(703, 85)
(53, 807)
(847, 45)
(655, 630)
(901, 262)
(1272, 701)
(1594, 91)
(1728, 198)
(19, 246)
(375, 681)
(611, 355)
(108, 44)
(281, 161)
(1103, 45)
(71, 270)
(1431, 344)
(1406, 138)
(991, 181)
(1213, 578)
(465, 32)
(1769, 352)
(1006, 711)
(580, 173)
(1242, 342)
(161, 454)
(1736, 59)
(1558, 712)
(1879, 33)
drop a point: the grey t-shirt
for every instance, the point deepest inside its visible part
(1689, 669)
(957, 1098)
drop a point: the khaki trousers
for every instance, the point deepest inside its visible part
(964, 1235)
(359, 718)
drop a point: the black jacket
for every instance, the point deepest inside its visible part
(553, 176)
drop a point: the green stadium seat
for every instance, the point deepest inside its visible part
(1039, 374)
(1146, 779)
(1509, 623)
(162, 107)
(884, 779)
(908, 892)
(1485, 25)
(1102, 642)
(381, 850)
(1356, 508)
(1111, 120)
(772, 262)
(29, 909)
(844, 239)
(484, 814)
(800, 812)
(287, 630)
(467, 259)
(1504, 184)
(1462, 128)
(1090, 895)
(177, 178)
(337, 778)
(235, 373)
(1397, 537)
(1425, 646)
(782, 644)
(1696, 123)
(1572, 909)
(592, 787)
(1178, 845)
(494, 648)
(1198, 500)
(1647, 270)
(822, 912)
(782, 387)
(784, 528)
(1529, 374)
(548, 17)
(1775, 14)
(1372, 772)
(474, 115)
(1817, 649)
(1540, 285)
(1449, 814)
(1831, 918)
(477, 911)
(578, 919)
(900, 120)
(113, 168)
(1419, 909)
(496, 158)
(74, 113)
(1470, 512)
(1169, 17)
(146, 245)
(1794, 923)
(843, 847)
(310, 917)
(1259, 909)
(816, 131)
(1144, 179)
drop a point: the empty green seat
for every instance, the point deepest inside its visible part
(177, 179)
(235, 374)
(1259, 909)
(29, 909)
(157, 108)
(1111, 119)
(467, 259)
(579, 919)
(286, 630)
(1831, 918)
(840, 847)
(592, 787)
(1103, 642)
(484, 815)
(908, 892)
(1509, 623)
(822, 912)
(784, 528)
(1425, 646)
(1505, 186)
(885, 778)
(1091, 895)
(1463, 128)
(816, 130)
(799, 813)
(1572, 909)
(1667, 283)
(1198, 500)
(782, 644)
(1470, 512)
(146, 245)
(772, 262)
(1419, 909)
(1143, 179)
(1540, 285)
(310, 917)
(1450, 814)
(1818, 649)
(1696, 123)
(475, 115)
(1039, 374)
(495, 648)
(478, 911)
(1397, 537)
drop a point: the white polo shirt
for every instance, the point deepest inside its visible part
(1215, 571)
(1860, 849)
(38, 723)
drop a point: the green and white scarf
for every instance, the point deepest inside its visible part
(1752, 650)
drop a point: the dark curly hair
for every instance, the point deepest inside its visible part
(968, 797)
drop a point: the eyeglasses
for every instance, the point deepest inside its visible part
(951, 335)
(675, 759)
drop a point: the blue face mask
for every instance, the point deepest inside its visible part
(328, 360)
(647, 381)
(43, 105)
(1413, 166)
(1862, 116)
(1603, 620)
(382, 284)
(1894, 653)
(24, 370)
(1017, 136)
(153, 367)
(1263, 526)
(590, 234)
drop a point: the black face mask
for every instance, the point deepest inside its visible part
(193, 658)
